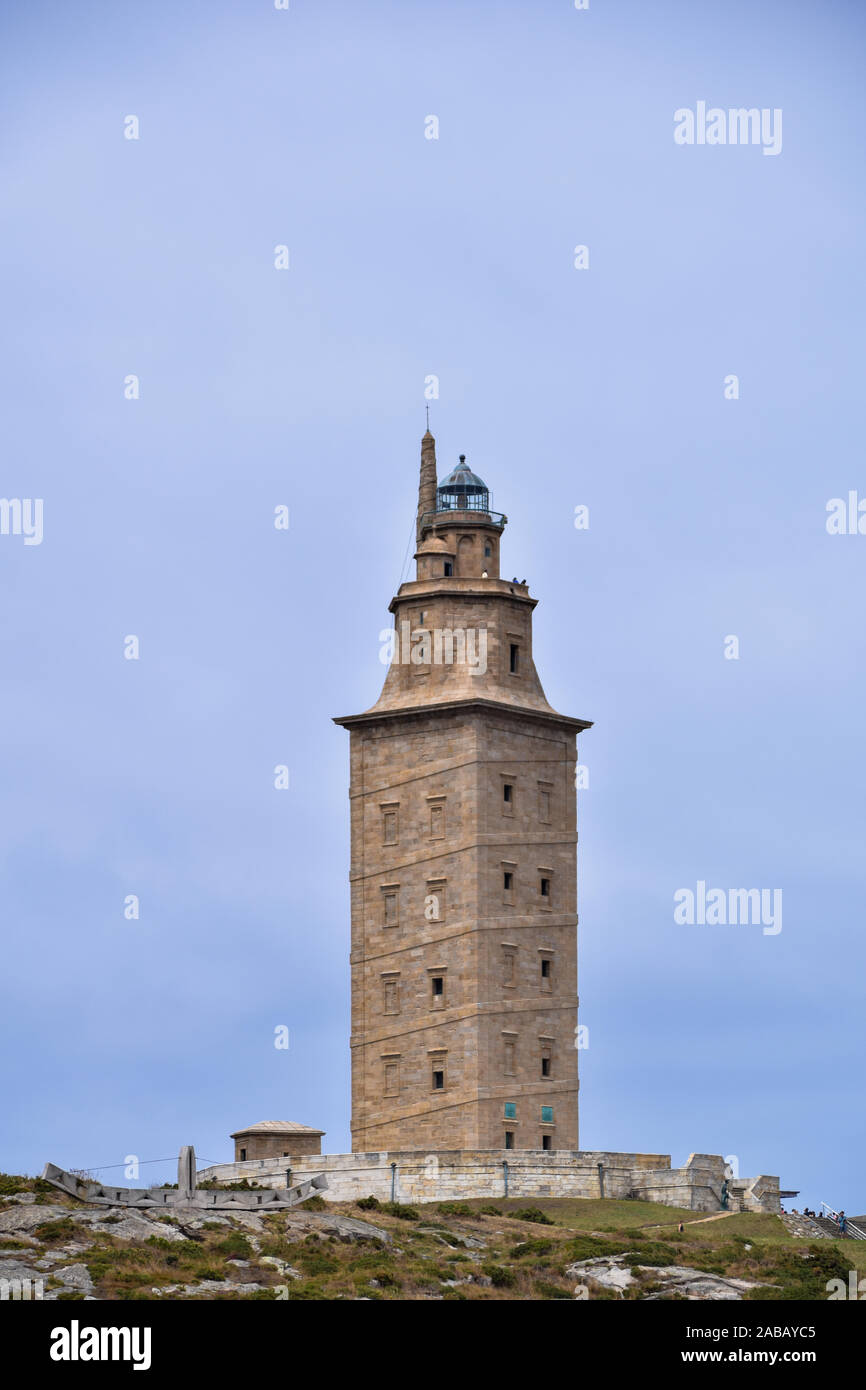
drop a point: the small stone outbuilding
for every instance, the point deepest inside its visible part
(276, 1139)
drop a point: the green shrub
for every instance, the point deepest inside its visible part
(398, 1209)
(455, 1209)
(211, 1185)
(11, 1183)
(533, 1214)
(500, 1276)
(548, 1290)
(50, 1231)
(490, 1211)
(653, 1252)
(316, 1261)
(370, 1203)
(801, 1275)
(530, 1247)
(310, 1291)
(234, 1247)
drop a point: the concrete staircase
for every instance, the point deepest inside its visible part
(820, 1227)
(828, 1227)
(807, 1227)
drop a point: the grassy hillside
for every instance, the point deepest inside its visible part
(509, 1249)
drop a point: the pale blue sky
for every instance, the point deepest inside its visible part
(305, 387)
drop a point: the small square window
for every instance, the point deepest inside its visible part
(243, 1155)
(547, 1114)
(511, 1110)
(546, 1141)
(545, 1066)
(437, 984)
(438, 1079)
(513, 658)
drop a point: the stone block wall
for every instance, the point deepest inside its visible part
(458, 1174)
(276, 1145)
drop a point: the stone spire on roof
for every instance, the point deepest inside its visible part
(427, 483)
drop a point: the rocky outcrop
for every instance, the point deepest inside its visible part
(620, 1272)
(345, 1228)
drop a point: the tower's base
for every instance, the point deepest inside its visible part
(457, 1174)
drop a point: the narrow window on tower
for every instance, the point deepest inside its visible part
(448, 569)
(508, 883)
(509, 1051)
(487, 552)
(434, 900)
(243, 1155)
(390, 827)
(546, 1060)
(508, 798)
(545, 887)
(438, 1074)
(513, 658)
(544, 790)
(509, 971)
(546, 974)
(546, 1142)
(437, 819)
(391, 994)
(509, 1139)
(437, 991)
(391, 904)
(392, 1075)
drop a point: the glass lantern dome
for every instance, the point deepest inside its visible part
(462, 491)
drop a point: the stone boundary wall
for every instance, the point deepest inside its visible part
(412, 1176)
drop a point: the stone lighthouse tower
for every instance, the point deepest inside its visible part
(463, 864)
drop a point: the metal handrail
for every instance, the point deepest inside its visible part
(850, 1229)
(451, 513)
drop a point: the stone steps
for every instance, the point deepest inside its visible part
(806, 1227)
